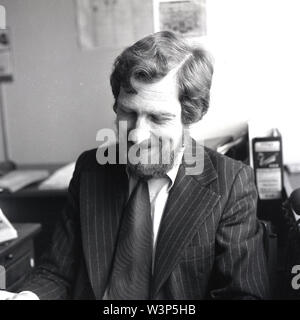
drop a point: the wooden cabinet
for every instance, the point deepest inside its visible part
(18, 256)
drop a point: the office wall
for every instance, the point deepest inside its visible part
(257, 69)
(1, 148)
(61, 94)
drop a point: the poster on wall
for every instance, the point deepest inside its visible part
(185, 17)
(112, 23)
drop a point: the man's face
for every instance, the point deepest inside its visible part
(153, 118)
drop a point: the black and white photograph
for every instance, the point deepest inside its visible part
(149, 152)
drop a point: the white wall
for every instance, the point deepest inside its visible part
(61, 95)
(257, 71)
(1, 148)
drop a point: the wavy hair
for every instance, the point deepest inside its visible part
(153, 57)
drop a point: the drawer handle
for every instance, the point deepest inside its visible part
(10, 256)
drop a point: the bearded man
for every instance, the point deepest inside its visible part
(149, 229)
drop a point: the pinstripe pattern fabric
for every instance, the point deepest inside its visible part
(132, 267)
(209, 244)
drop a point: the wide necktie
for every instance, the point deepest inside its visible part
(132, 266)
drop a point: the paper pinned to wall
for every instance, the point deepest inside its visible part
(185, 17)
(113, 23)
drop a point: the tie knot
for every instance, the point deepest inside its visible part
(144, 179)
(143, 184)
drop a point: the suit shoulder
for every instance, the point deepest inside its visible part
(224, 163)
(227, 170)
(87, 160)
(87, 156)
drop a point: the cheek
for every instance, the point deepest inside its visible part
(174, 131)
(177, 135)
(170, 133)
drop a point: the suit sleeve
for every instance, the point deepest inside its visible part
(53, 278)
(240, 265)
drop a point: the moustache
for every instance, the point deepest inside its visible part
(144, 145)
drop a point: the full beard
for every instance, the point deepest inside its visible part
(154, 170)
(147, 171)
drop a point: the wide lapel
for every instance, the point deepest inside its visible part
(188, 205)
(103, 196)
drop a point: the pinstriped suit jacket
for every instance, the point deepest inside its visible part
(209, 244)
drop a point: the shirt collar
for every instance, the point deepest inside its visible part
(172, 173)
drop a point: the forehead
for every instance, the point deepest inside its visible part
(161, 95)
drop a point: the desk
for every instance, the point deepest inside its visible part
(33, 205)
(18, 256)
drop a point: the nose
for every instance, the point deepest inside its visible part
(140, 131)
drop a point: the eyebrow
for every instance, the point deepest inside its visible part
(161, 114)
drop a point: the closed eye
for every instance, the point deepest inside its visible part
(127, 111)
(158, 119)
